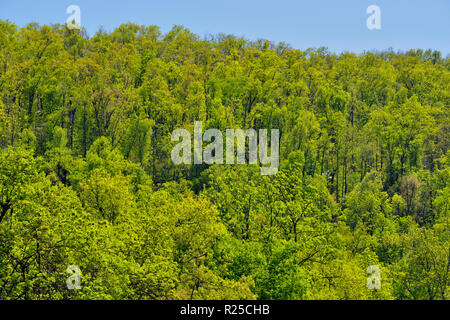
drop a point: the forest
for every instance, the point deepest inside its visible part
(87, 180)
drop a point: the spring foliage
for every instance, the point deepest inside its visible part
(86, 177)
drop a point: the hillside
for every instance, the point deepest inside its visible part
(87, 179)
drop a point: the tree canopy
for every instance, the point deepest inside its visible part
(86, 176)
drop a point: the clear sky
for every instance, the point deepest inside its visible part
(338, 24)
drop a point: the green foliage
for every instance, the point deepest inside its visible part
(86, 177)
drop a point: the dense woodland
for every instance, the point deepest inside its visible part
(86, 176)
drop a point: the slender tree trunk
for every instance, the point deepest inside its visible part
(84, 139)
(337, 175)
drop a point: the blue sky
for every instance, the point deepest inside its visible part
(338, 24)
